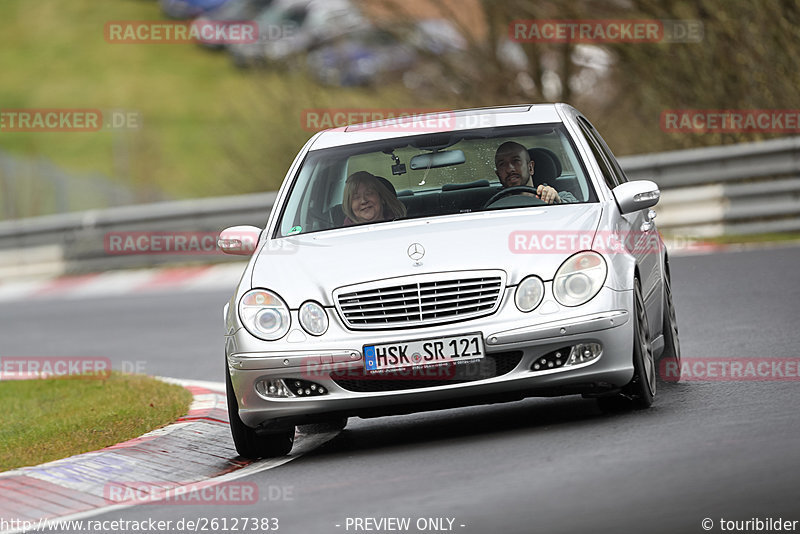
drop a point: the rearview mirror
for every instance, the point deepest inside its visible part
(239, 240)
(437, 159)
(636, 195)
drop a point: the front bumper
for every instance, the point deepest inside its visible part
(605, 320)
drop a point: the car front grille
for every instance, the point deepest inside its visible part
(490, 366)
(420, 301)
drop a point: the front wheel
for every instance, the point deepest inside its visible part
(641, 390)
(248, 442)
(672, 348)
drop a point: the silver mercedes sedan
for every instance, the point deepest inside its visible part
(446, 260)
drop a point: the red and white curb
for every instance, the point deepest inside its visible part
(226, 276)
(192, 454)
(113, 283)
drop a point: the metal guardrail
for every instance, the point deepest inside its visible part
(738, 189)
(75, 242)
(32, 186)
(748, 188)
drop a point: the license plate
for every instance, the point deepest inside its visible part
(423, 352)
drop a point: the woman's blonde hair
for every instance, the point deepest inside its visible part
(392, 207)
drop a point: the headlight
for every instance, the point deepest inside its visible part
(529, 293)
(264, 314)
(579, 278)
(313, 318)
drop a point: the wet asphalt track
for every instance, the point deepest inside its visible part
(705, 450)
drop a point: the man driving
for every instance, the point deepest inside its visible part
(514, 167)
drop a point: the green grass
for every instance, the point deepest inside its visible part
(208, 127)
(48, 419)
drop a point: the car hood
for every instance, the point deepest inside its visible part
(520, 242)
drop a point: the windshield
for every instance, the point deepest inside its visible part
(434, 175)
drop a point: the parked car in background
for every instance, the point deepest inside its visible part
(437, 36)
(232, 11)
(186, 9)
(290, 27)
(361, 57)
(460, 291)
(372, 54)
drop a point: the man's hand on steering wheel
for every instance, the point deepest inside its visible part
(545, 193)
(548, 194)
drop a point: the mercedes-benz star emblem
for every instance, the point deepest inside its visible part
(416, 251)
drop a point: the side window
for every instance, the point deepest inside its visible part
(605, 167)
(609, 155)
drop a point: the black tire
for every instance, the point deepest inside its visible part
(248, 442)
(672, 347)
(640, 391)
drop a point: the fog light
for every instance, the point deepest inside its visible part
(571, 355)
(274, 387)
(306, 388)
(551, 360)
(288, 388)
(584, 352)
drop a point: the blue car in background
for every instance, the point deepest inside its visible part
(291, 27)
(232, 11)
(370, 55)
(185, 9)
(362, 57)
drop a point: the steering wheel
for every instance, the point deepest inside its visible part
(511, 191)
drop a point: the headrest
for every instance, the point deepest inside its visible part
(546, 166)
(388, 184)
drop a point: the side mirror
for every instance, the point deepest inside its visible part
(636, 195)
(239, 240)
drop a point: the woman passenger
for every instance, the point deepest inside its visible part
(369, 198)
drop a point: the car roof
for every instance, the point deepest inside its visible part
(445, 121)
